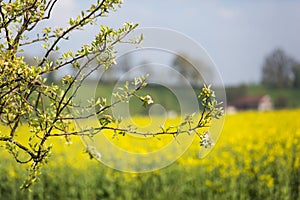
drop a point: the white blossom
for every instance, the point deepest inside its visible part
(206, 140)
(148, 99)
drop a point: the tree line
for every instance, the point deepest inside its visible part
(280, 70)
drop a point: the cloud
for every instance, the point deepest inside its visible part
(228, 13)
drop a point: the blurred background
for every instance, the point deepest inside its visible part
(254, 44)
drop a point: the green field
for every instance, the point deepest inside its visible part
(281, 97)
(161, 95)
(256, 157)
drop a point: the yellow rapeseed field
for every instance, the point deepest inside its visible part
(256, 157)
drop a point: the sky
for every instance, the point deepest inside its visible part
(237, 35)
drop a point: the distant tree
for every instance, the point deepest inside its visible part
(235, 92)
(281, 102)
(50, 110)
(114, 73)
(189, 68)
(277, 70)
(296, 73)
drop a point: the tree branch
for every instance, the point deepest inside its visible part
(7, 36)
(87, 132)
(50, 6)
(37, 40)
(80, 23)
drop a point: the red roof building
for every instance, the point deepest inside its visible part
(261, 102)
